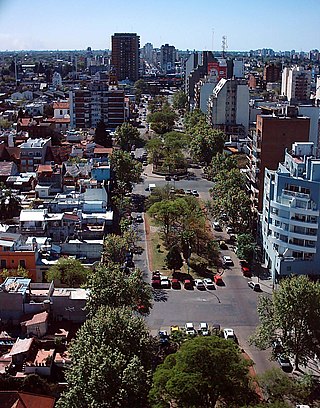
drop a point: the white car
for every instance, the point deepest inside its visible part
(228, 334)
(199, 284)
(255, 286)
(189, 327)
(208, 283)
(164, 282)
(227, 261)
(204, 329)
(229, 230)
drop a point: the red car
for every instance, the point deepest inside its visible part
(188, 284)
(245, 268)
(175, 284)
(218, 279)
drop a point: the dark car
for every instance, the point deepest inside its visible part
(188, 284)
(175, 284)
(245, 268)
(285, 363)
(167, 178)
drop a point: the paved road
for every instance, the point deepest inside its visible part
(233, 305)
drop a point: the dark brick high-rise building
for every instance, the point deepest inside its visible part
(125, 55)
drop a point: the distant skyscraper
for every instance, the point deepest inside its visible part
(148, 52)
(168, 58)
(296, 84)
(125, 55)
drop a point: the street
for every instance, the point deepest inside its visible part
(232, 305)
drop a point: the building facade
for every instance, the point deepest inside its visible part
(296, 84)
(125, 56)
(290, 221)
(267, 143)
(167, 58)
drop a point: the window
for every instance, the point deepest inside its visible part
(22, 263)
(3, 263)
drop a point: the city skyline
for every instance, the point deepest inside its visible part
(36, 25)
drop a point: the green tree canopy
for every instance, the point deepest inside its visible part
(111, 361)
(173, 258)
(221, 163)
(192, 119)
(126, 170)
(202, 372)
(101, 135)
(162, 121)
(115, 249)
(68, 271)
(180, 100)
(127, 136)
(108, 285)
(10, 204)
(293, 315)
(246, 247)
(206, 143)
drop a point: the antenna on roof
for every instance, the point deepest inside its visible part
(224, 45)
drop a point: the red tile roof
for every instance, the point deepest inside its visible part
(60, 105)
(46, 168)
(103, 150)
(37, 319)
(16, 399)
(21, 346)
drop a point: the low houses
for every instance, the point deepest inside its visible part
(18, 399)
(37, 325)
(21, 350)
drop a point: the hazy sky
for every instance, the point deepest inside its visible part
(186, 24)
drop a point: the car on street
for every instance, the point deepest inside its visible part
(175, 178)
(175, 284)
(218, 280)
(216, 226)
(223, 245)
(174, 329)
(228, 334)
(167, 178)
(229, 230)
(199, 284)
(189, 327)
(208, 283)
(254, 286)
(277, 346)
(139, 218)
(163, 337)
(227, 261)
(245, 268)
(145, 163)
(164, 282)
(188, 284)
(188, 191)
(285, 363)
(203, 329)
(195, 193)
(129, 263)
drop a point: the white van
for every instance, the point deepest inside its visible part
(151, 187)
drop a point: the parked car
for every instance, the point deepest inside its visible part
(284, 363)
(203, 329)
(195, 193)
(189, 327)
(174, 329)
(229, 230)
(255, 286)
(208, 283)
(245, 268)
(139, 218)
(228, 334)
(218, 279)
(188, 284)
(129, 263)
(277, 346)
(165, 282)
(175, 284)
(164, 337)
(223, 245)
(216, 226)
(199, 284)
(175, 178)
(167, 178)
(227, 261)
(188, 191)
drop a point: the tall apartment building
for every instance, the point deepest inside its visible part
(228, 107)
(296, 84)
(272, 72)
(125, 55)
(98, 101)
(147, 52)
(168, 58)
(267, 143)
(291, 209)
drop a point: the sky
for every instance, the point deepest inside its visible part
(186, 24)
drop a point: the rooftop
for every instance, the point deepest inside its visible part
(21, 346)
(15, 285)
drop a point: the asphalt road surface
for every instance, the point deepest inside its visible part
(232, 305)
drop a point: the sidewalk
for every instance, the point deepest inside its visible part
(262, 275)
